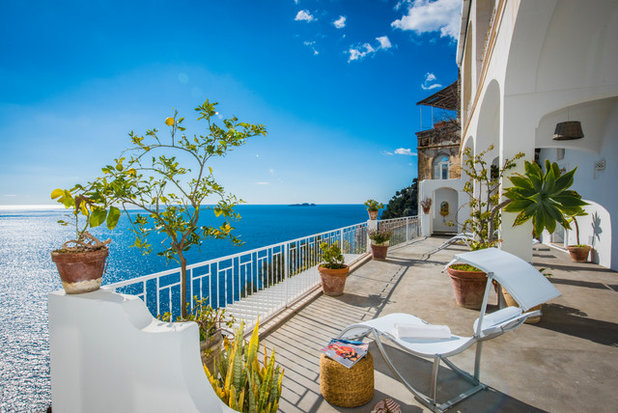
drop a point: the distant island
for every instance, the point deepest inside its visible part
(303, 204)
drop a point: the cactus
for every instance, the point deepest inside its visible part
(239, 379)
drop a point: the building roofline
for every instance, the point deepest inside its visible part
(463, 31)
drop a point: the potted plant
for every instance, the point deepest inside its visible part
(579, 252)
(212, 323)
(333, 271)
(81, 261)
(373, 207)
(426, 205)
(379, 243)
(482, 189)
(241, 381)
(171, 183)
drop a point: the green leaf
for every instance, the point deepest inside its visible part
(112, 217)
(97, 217)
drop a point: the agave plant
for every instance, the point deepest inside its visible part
(543, 197)
(239, 379)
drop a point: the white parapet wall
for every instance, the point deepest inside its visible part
(108, 354)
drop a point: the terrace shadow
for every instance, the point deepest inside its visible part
(571, 321)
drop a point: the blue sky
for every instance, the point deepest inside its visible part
(334, 82)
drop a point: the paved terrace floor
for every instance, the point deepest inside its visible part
(566, 363)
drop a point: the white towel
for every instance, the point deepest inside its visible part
(422, 331)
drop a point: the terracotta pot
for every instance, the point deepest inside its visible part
(426, 210)
(372, 214)
(210, 350)
(469, 287)
(512, 303)
(579, 253)
(379, 251)
(333, 281)
(80, 272)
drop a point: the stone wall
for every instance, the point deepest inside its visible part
(443, 139)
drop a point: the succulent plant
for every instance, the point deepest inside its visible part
(239, 379)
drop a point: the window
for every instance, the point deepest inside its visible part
(440, 167)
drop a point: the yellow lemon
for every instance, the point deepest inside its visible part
(169, 121)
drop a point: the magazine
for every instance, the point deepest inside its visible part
(346, 352)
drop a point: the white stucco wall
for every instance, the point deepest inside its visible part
(108, 354)
(596, 186)
(538, 67)
(431, 188)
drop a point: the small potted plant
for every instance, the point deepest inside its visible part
(379, 243)
(426, 205)
(579, 252)
(333, 271)
(373, 207)
(81, 261)
(212, 323)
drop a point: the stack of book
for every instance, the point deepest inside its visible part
(346, 352)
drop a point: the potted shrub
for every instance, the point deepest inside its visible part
(426, 205)
(241, 381)
(81, 261)
(579, 252)
(333, 271)
(212, 323)
(379, 243)
(482, 189)
(373, 207)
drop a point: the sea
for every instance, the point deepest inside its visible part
(27, 275)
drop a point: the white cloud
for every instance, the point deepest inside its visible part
(312, 46)
(304, 15)
(358, 52)
(262, 183)
(10, 195)
(387, 153)
(340, 22)
(295, 1)
(404, 151)
(428, 82)
(384, 42)
(425, 16)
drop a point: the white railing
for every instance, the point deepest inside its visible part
(259, 282)
(404, 229)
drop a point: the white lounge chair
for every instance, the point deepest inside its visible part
(465, 237)
(415, 336)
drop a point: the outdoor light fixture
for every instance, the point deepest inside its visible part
(566, 131)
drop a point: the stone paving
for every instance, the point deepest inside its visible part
(566, 363)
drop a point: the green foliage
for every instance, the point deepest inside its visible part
(543, 197)
(380, 236)
(209, 320)
(404, 203)
(170, 180)
(373, 205)
(239, 379)
(331, 256)
(464, 267)
(91, 209)
(483, 192)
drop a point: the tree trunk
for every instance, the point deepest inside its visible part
(183, 285)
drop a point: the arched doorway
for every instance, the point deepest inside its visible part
(445, 211)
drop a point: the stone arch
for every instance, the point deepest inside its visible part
(488, 130)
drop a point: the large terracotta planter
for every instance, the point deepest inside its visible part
(379, 251)
(469, 287)
(80, 272)
(372, 214)
(512, 303)
(333, 280)
(579, 253)
(210, 350)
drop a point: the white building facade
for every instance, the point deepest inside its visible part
(527, 65)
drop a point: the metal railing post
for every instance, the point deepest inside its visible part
(341, 240)
(407, 225)
(286, 274)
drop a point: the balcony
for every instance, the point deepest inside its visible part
(566, 363)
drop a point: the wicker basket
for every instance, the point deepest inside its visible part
(345, 387)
